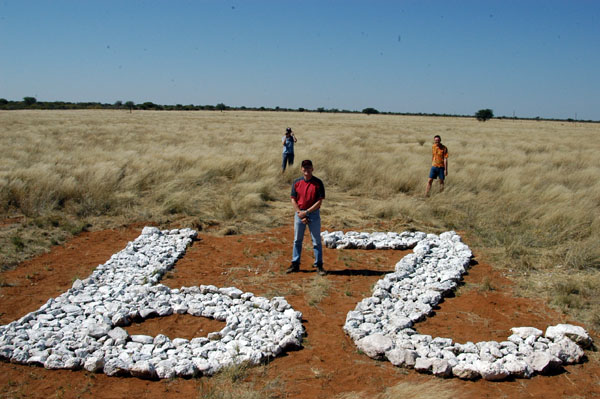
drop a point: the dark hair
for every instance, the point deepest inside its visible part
(438, 136)
(306, 162)
(288, 130)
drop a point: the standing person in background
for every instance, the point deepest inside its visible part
(439, 164)
(288, 148)
(307, 195)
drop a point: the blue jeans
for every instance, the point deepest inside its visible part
(314, 226)
(287, 158)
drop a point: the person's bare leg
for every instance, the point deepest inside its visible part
(428, 187)
(441, 185)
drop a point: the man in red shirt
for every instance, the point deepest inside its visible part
(439, 164)
(307, 195)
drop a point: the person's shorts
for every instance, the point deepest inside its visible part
(437, 172)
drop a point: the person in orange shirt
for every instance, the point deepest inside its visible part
(439, 164)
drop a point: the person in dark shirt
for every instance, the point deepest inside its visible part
(307, 196)
(288, 148)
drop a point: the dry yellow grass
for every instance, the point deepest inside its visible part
(438, 389)
(525, 192)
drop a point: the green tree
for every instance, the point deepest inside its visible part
(148, 105)
(370, 111)
(29, 101)
(220, 107)
(130, 105)
(118, 104)
(484, 114)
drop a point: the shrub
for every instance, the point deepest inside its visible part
(484, 114)
(29, 101)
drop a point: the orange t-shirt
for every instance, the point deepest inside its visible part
(438, 155)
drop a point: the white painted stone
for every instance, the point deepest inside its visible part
(402, 357)
(375, 345)
(119, 335)
(165, 369)
(525, 332)
(566, 350)
(94, 364)
(142, 339)
(143, 369)
(491, 371)
(465, 371)
(423, 364)
(441, 368)
(517, 367)
(574, 333)
(543, 362)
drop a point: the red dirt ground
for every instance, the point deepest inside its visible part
(328, 365)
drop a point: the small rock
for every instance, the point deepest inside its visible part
(375, 345)
(574, 333)
(566, 350)
(423, 364)
(402, 357)
(465, 371)
(542, 362)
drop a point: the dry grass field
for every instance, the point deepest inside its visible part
(524, 194)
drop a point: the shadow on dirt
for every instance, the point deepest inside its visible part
(359, 272)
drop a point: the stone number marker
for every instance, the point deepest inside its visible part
(382, 326)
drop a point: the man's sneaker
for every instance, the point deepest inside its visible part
(293, 268)
(320, 270)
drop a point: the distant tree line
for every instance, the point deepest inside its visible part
(33, 103)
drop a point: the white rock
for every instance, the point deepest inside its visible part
(402, 357)
(184, 368)
(517, 368)
(491, 371)
(165, 369)
(177, 342)
(375, 345)
(115, 367)
(423, 364)
(54, 362)
(94, 364)
(566, 350)
(142, 339)
(119, 335)
(441, 368)
(574, 333)
(98, 330)
(143, 369)
(150, 230)
(543, 362)
(148, 312)
(465, 371)
(525, 332)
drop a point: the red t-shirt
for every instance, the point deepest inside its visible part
(307, 193)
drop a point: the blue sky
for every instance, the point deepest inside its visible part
(527, 58)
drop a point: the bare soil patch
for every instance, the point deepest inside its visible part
(328, 365)
(11, 220)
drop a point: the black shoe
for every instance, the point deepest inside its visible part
(320, 270)
(294, 268)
